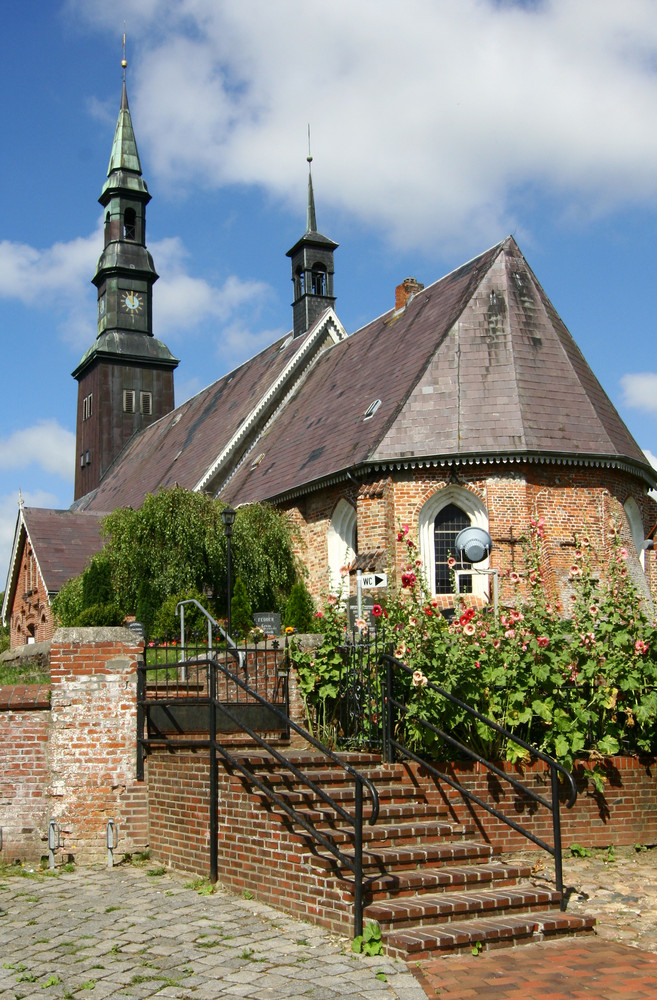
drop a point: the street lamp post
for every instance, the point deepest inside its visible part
(228, 517)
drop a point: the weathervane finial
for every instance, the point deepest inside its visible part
(124, 61)
(309, 158)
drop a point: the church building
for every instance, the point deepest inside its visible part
(466, 403)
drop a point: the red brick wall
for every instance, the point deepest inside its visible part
(30, 616)
(76, 762)
(624, 814)
(24, 803)
(573, 500)
(255, 851)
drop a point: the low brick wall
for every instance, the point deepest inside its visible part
(624, 814)
(255, 851)
(25, 724)
(73, 758)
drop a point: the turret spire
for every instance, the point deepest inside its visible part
(124, 155)
(312, 268)
(311, 219)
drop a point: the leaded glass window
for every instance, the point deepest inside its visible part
(449, 521)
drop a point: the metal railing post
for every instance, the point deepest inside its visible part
(358, 861)
(387, 749)
(214, 772)
(141, 698)
(556, 829)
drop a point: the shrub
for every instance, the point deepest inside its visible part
(300, 609)
(240, 611)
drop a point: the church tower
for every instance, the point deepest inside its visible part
(312, 270)
(125, 379)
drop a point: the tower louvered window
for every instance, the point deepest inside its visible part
(128, 400)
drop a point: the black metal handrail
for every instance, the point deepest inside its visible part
(354, 864)
(556, 769)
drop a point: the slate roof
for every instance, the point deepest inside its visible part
(62, 542)
(476, 367)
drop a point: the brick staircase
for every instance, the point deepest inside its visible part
(431, 887)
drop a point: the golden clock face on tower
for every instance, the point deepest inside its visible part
(132, 303)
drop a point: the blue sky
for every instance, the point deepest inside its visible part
(438, 128)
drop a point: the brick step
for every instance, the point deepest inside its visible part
(401, 858)
(399, 834)
(411, 883)
(388, 794)
(308, 760)
(451, 907)
(487, 932)
(326, 777)
(388, 812)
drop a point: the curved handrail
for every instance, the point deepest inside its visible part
(231, 645)
(553, 765)
(361, 781)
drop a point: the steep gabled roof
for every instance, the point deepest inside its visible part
(62, 542)
(476, 367)
(195, 444)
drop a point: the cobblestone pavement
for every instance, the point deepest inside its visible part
(130, 934)
(618, 886)
(140, 933)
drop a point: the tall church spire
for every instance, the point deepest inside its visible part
(126, 377)
(312, 268)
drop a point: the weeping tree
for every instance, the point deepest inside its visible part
(175, 544)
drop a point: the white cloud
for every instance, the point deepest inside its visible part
(640, 391)
(427, 121)
(651, 458)
(46, 444)
(181, 301)
(58, 278)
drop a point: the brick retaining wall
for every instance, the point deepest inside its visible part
(73, 760)
(624, 814)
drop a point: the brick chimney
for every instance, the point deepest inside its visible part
(405, 291)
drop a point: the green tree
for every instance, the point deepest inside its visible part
(175, 544)
(300, 609)
(240, 610)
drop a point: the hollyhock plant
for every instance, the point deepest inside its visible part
(576, 677)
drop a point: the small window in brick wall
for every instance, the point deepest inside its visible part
(86, 406)
(128, 400)
(146, 403)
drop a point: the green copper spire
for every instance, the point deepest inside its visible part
(124, 155)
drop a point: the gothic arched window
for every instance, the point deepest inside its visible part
(441, 518)
(342, 541)
(446, 526)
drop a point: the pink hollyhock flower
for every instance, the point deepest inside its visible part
(417, 677)
(412, 621)
(514, 577)
(543, 641)
(451, 562)
(641, 647)
(469, 629)
(623, 553)
(497, 643)
(593, 610)
(408, 579)
(377, 611)
(477, 664)
(418, 562)
(361, 623)
(516, 616)
(318, 614)
(510, 633)
(574, 571)
(428, 612)
(504, 620)
(331, 599)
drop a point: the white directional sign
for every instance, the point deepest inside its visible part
(372, 580)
